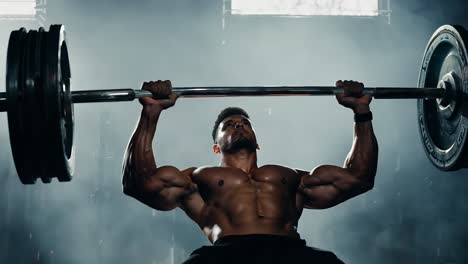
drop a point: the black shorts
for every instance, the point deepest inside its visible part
(261, 249)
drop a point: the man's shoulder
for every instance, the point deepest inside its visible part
(197, 172)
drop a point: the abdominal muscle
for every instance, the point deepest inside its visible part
(251, 210)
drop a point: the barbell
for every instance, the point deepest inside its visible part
(39, 101)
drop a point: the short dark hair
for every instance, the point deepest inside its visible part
(229, 111)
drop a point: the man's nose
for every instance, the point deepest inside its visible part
(239, 124)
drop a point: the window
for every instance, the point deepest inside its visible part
(18, 8)
(305, 7)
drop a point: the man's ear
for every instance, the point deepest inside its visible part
(216, 148)
(258, 147)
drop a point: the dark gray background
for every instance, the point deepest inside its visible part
(414, 214)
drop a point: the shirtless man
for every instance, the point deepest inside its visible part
(249, 213)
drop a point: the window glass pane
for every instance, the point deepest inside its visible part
(17, 7)
(305, 7)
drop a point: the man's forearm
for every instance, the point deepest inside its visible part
(362, 159)
(139, 158)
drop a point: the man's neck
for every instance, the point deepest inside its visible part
(245, 160)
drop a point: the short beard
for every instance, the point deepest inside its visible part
(240, 144)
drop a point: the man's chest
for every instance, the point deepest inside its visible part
(269, 178)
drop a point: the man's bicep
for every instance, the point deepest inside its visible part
(164, 189)
(326, 186)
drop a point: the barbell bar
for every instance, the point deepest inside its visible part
(128, 94)
(3, 106)
(39, 101)
(221, 91)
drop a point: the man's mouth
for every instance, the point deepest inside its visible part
(239, 132)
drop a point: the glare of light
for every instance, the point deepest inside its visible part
(305, 7)
(18, 8)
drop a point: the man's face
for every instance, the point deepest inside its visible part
(235, 133)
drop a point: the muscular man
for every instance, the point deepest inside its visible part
(249, 213)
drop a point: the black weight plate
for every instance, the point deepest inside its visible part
(15, 104)
(31, 120)
(445, 139)
(58, 108)
(39, 120)
(67, 104)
